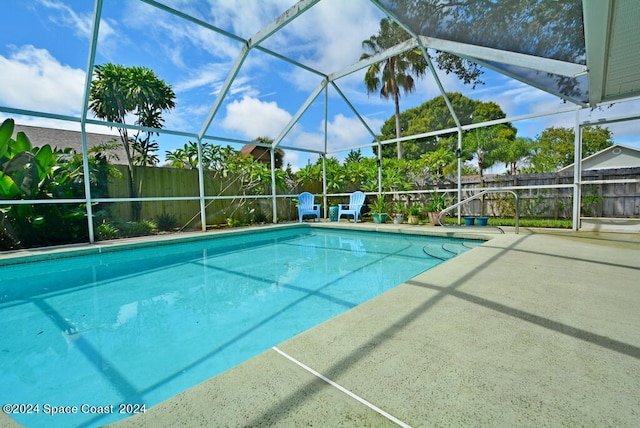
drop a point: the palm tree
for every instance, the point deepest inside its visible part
(515, 151)
(117, 91)
(394, 73)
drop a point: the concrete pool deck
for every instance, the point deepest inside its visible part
(536, 329)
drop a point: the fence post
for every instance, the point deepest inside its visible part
(577, 172)
(203, 207)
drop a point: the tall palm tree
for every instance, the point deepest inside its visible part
(395, 73)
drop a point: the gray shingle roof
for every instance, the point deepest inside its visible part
(62, 139)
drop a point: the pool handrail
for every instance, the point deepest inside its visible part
(476, 196)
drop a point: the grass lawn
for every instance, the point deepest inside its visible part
(524, 222)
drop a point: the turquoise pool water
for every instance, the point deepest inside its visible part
(98, 337)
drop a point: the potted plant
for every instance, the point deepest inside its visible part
(437, 203)
(398, 212)
(379, 210)
(414, 214)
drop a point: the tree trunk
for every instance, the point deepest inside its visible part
(136, 207)
(396, 98)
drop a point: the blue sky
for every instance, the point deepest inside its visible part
(44, 51)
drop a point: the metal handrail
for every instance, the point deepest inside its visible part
(476, 196)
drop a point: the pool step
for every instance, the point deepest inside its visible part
(472, 244)
(442, 252)
(449, 250)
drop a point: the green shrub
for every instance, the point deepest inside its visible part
(126, 229)
(166, 222)
(231, 222)
(136, 228)
(106, 231)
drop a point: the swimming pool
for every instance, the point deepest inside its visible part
(99, 336)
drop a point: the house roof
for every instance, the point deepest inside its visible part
(63, 139)
(616, 156)
(258, 152)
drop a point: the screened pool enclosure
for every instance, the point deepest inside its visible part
(292, 72)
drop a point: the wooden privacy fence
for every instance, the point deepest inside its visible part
(618, 200)
(175, 182)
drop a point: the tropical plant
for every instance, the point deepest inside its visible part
(437, 202)
(186, 157)
(136, 228)
(232, 173)
(439, 162)
(105, 231)
(515, 152)
(353, 156)
(310, 173)
(166, 222)
(32, 173)
(415, 209)
(28, 172)
(484, 143)
(336, 177)
(380, 205)
(399, 208)
(118, 91)
(394, 73)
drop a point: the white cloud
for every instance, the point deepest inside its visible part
(627, 131)
(211, 75)
(346, 132)
(343, 133)
(81, 24)
(248, 19)
(530, 100)
(181, 43)
(292, 158)
(33, 79)
(327, 38)
(307, 140)
(254, 118)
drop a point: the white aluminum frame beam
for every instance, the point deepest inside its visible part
(224, 90)
(232, 36)
(374, 59)
(527, 82)
(289, 15)
(481, 125)
(264, 33)
(545, 65)
(97, 14)
(312, 97)
(597, 34)
(353, 109)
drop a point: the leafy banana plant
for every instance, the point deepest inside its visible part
(24, 170)
(36, 173)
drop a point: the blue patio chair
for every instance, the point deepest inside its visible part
(306, 206)
(356, 202)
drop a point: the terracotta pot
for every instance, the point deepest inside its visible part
(433, 218)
